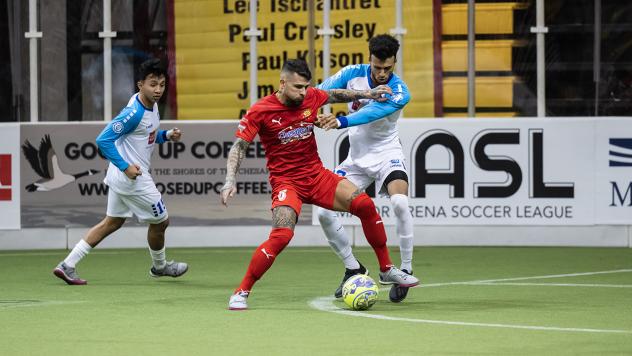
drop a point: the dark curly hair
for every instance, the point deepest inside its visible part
(383, 46)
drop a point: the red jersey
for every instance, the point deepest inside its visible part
(287, 134)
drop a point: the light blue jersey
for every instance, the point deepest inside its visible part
(129, 139)
(372, 125)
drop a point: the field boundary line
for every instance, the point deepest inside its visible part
(556, 285)
(326, 304)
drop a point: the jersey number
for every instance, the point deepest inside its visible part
(158, 208)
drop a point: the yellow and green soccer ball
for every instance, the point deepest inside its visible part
(360, 292)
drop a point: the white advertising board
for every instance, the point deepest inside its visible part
(613, 169)
(509, 171)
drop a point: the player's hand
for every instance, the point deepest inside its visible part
(227, 191)
(132, 171)
(326, 121)
(174, 134)
(379, 93)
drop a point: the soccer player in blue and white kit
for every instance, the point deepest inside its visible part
(375, 153)
(128, 142)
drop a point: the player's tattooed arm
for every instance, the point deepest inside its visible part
(348, 95)
(235, 156)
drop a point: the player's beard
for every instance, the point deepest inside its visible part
(294, 102)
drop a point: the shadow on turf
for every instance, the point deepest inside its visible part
(165, 283)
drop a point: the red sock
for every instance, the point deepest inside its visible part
(362, 206)
(264, 256)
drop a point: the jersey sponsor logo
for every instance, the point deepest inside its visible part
(117, 127)
(277, 121)
(152, 137)
(359, 104)
(282, 195)
(297, 132)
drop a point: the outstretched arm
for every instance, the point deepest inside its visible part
(369, 113)
(235, 156)
(348, 95)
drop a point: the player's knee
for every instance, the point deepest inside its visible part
(326, 217)
(162, 226)
(400, 204)
(362, 206)
(112, 224)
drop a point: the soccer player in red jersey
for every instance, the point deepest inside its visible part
(285, 123)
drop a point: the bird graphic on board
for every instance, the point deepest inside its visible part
(45, 163)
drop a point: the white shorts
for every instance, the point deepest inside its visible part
(148, 208)
(362, 177)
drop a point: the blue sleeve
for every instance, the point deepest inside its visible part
(162, 137)
(375, 110)
(340, 79)
(126, 121)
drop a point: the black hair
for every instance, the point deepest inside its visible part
(151, 66)
(383, 46)
(297, 66)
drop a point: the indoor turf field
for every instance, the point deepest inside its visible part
(504, 301)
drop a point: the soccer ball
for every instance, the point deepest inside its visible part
(360, 292)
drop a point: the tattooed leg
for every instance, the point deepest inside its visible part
(346, 192)
(284, 216)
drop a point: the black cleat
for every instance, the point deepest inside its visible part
(348, 274)
(398, 293)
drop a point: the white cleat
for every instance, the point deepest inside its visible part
(171, 269)
(238, 301)
(396, 276)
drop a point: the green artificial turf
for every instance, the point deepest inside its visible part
(123, 311)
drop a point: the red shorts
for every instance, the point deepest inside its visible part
(318, 189)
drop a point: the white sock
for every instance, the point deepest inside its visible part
(337, 237)
(404, 229)
(78, 252)
(158, 258)
(406, 252)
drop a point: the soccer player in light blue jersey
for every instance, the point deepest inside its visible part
(375, 153)
(128, 142)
